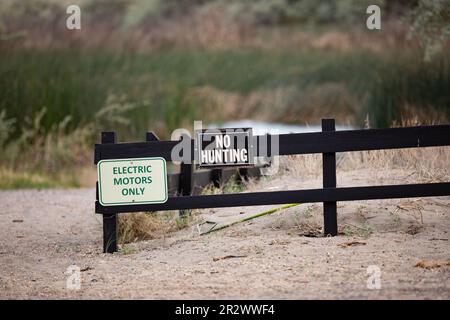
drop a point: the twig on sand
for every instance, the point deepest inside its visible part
(430, 264)
(352, 243)
(227, 257)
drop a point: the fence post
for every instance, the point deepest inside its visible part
(329, 181)
(186, 182)
(151, 136)
(109, 220)
(216, 177)
(243, 174)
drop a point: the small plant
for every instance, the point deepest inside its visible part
(308, 213)
(210, 190)
(183, 221)
(395, 218)
(233, 186)
(348, 231)
(126, 250)
(360, 211)
(364, 231)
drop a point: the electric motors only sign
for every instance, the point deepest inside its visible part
(224, 147)
(132, 181)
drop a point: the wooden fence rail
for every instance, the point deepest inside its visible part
(327, 142)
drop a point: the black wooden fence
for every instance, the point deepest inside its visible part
(327, 142)
(192, 182)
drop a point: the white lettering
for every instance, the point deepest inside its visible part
(219, 141)
(227, 141)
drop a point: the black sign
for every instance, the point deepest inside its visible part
(224, 147)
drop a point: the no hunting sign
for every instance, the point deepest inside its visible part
(224, 147)
(132, 181)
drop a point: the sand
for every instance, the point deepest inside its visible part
(278, 256)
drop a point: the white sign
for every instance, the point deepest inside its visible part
(132, 181)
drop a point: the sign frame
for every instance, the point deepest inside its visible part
(215, 131)
(132, 202)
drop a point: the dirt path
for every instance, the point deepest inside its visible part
(44, 232)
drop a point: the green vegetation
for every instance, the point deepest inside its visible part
(364, 231)
(411, 88)
(152, 90)
(24, 180)
(430, 21)
(233, 185)
(127, 250)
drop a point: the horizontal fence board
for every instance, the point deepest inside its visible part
(301, 143)
(369, 139)
(135, 150)
(293, 196)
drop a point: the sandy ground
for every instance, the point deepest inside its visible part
(42, 233)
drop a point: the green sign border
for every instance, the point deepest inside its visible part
(134, 202)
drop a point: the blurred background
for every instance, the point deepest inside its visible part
(155, 65)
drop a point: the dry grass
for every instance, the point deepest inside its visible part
(153, 225)
(426, 164)
(305, 166)
(211, 26)
(208, 28)
(293, 104)
(303, 221)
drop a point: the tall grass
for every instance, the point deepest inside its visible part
(151, 88)
(411, 88)
(79, 83)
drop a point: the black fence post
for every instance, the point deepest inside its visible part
(243, 174)
(186, 173)
(151, 136)
(330, 227)
(109, 220)
(186, 182)
(216, 177)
